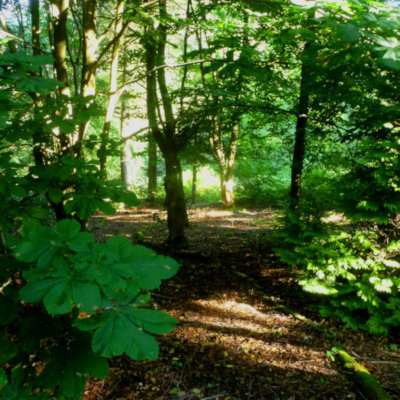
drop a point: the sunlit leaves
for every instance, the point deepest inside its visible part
(353, 273)
(391, 58)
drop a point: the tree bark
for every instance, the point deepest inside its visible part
(59, 11)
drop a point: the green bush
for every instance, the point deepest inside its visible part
(356, 274)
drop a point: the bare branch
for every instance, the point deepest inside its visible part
(126, 138)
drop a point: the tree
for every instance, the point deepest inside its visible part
(168, 138)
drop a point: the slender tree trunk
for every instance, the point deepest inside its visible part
(228, 197)
(194, 185)
(38, 133)
(300, 139)
(113, 94)
(125, 150)
(59, 11)
(152, 171)
(225, 159)
(88, 78)
(60, 14)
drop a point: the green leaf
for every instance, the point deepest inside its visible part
(68, 229)
(122, 249)
(55, 194)
(118, 334)
(8, 310)
(141, 263)
(18, 375)
(35, 291)
(86, 296)
(105, 207)
(40, 239)
(3, 378)
(92, 364)
(72, 384)
(111, 338)
(82, 243)
(152, 321)
(8, 350)
(58, 300)
(349, 32)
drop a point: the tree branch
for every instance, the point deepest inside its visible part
(126, 138)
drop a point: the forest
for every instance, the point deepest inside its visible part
(199, 199)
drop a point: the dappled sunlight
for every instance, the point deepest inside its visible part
(264, 339)
(229, 342)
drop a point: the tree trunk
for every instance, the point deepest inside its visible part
(225, 159)
(152, 171)
(165, 137)
(59, 11)
(228, 197)
(60, 14)
(176, 205)
(300, 139)
(88, 79)
(38, 134)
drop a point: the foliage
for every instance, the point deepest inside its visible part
(94, 294)
(66, 302)
(356, 274)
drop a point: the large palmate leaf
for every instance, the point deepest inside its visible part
(141, 263)
(117, 334)
(124, 330)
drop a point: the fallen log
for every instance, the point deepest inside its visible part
(368, 385)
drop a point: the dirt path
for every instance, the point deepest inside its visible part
(229, 344)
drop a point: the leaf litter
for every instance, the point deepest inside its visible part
(231, 344)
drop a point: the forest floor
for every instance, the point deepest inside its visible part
(230, 343)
